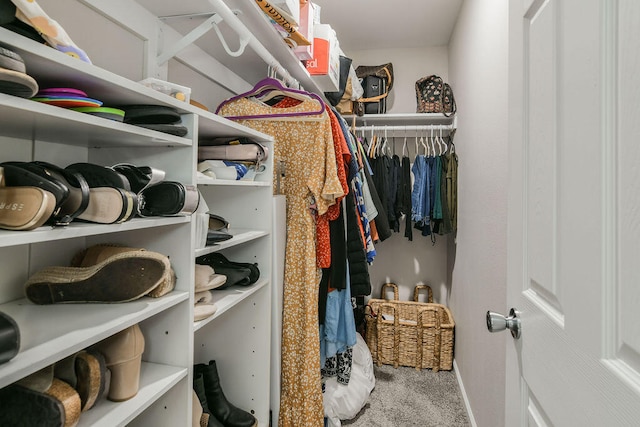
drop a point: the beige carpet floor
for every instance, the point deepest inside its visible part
(404, 397)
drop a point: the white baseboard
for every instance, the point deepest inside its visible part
(464, 395)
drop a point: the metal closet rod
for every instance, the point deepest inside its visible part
(232, 20)
(411, 128)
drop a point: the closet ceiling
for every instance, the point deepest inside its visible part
(360, 25)
(383, 24)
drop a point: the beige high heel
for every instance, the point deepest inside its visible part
(123, 354)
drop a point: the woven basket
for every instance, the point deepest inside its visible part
(410, 333)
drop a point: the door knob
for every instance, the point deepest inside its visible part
(497, 322)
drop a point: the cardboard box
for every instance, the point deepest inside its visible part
(324, 68)
(306, 29)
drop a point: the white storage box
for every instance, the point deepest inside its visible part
(289, 7)
(181, 93)
(324, 68)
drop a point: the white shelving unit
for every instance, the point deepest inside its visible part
(237, 337)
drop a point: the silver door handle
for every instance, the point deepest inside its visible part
(496, 322)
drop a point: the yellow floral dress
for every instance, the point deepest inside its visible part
(305, 146)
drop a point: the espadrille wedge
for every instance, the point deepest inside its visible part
(98, 253)
(119, 278)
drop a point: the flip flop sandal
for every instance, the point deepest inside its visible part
(216, 236)
(122, 277)
(150, 114)
(168, 198)
(11, 61)
(25, 208)
(177, 130)
(17, 84)
(139, 177)
(104, 112)
(74, 187)
(61, 91)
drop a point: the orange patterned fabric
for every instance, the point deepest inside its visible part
(306, 148)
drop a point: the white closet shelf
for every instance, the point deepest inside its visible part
(231, 183)
(401, 119)
(155, 380)
(51, 68)
(23, 118)
(52, 332)
(239, 237)
(47, 234)
(226, 299)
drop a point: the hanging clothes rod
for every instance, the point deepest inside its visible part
(234, 22)
(410, 128)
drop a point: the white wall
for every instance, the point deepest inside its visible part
(399, 260)
(478, 66)
(408, 66)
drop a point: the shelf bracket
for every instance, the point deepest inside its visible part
(196, 33)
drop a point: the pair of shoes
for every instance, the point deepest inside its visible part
(207, 386)
(206, 279)
(85, 371)
(40, 400)
(110, 199)
(157, 197)
(123, 356)
(9, 338)
(119, 277)
(238, 273)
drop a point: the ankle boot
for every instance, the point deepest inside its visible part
(220, 407)
(123, 355)
(198, 388)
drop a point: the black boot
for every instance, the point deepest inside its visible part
(219, 406)
(198, 387)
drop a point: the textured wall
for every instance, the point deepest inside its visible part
(478, 74)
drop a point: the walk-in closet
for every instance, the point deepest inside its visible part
(298, 213)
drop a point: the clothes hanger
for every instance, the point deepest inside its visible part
(426, 148)
(444, 142)
(405, 149)
(269, 84)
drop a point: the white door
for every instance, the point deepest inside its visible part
(574, 213)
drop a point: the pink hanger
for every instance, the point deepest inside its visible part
(268, 84)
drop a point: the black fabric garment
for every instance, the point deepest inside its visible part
(406, 196)
(336, 275)
(380, 168)
(382, 221)
(356, 255)
(395, 192)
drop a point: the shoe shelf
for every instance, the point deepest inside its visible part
(51, 332)
(239, 237)
(51, 68)
(77, 229)
(23, 118)
(155, 381)
(226, 299)
(230, 183)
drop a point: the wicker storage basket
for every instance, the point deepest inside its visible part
(410, 333)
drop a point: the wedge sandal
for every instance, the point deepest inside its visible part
(25, 208)
(120, 278)
(110, 199)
